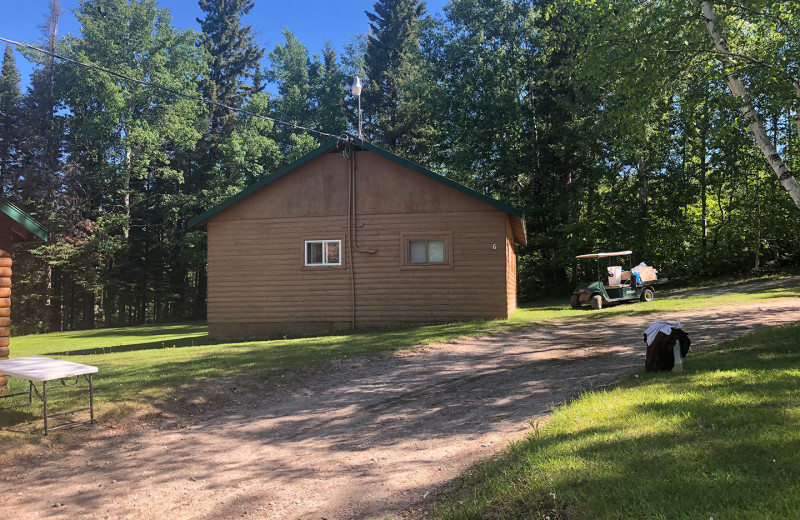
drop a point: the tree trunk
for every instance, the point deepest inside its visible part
(756, 126)
(108, 307)
(200, 301)
(126, 194)
(758, 221)
(56, 300)
(88, 310)
(71, 316)
(704, 194)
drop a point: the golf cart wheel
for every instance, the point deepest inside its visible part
(575, 302)
(648, 294)
(597, 302)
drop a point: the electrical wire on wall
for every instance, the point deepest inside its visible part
(348, 150)
(352, 205)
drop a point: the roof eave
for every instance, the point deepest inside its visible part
(32, 231)
(518, 230)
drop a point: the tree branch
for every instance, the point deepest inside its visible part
(756, 126)
(750, 10)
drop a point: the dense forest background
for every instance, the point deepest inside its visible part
(611, 123)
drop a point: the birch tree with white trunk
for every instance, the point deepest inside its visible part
(755, 124)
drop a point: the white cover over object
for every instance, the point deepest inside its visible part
(40, 368)
(660, 326)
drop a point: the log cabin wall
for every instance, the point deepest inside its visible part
(511, 269)
(15, 226)
(5, 294)
(259, 286)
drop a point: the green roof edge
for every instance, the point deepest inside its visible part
(200, 219)
(23, 219)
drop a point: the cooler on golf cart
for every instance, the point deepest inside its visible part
(614, 284)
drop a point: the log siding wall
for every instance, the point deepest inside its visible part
(258, 286)
(5, 311)
(511, 269)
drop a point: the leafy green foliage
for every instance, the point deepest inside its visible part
(609, 123)
(398, 93)
(328, 84)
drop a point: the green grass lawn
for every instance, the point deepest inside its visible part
(720, 440)
(160, 366)
(750, 291)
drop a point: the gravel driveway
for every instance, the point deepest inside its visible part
(367, 439)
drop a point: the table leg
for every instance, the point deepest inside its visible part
(30, 392)
(44, 400)
(91, 400)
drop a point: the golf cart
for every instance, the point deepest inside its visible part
(623, 286)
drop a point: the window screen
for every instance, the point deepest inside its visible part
(313, 252)
(425, 251)
(417, 252)
(323, 252)
(332, 253)
(435, 251)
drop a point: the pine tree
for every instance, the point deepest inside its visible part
(290, 66)
(311, 93)
(329, 92)
(41, 180)
(393, 65)
(42, 131)
(10, 98)
(290, 71)
(234, 57)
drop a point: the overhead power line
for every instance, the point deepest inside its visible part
(165, 89)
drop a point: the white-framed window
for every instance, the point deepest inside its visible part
(426, 251)
(323, 252)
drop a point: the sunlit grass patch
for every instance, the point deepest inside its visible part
(719, 440)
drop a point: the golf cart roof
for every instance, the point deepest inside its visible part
(604, 255)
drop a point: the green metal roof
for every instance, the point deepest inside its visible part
(518, 216)
(23, 219)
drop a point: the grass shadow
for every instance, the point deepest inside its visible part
(134, 347)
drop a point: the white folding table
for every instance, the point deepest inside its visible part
(43, 369)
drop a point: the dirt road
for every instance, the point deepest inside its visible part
(366, 439)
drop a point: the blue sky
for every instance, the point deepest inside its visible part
(312, 21)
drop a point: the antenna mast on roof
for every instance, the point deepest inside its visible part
(356, 90)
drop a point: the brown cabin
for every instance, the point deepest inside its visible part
(351, 236)
(15, 226)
